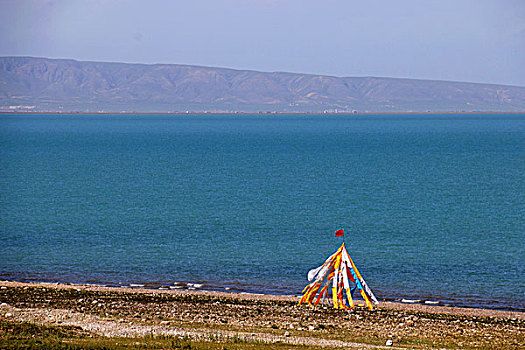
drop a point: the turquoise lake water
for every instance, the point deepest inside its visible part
(433, 205)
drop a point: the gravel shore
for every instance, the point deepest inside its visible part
(218, 316)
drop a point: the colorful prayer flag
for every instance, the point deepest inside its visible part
(339, 272)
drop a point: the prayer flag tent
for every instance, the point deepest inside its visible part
(339, 271)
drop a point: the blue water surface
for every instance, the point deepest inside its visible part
(433, 205)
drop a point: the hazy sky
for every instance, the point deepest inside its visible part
(465, 40)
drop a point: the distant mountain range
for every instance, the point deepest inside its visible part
(41, 84)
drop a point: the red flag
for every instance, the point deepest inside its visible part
(339, 233)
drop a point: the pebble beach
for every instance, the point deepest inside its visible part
(206, 318)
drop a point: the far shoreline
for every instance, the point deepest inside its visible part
(262, 113)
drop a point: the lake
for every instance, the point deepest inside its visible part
(433, 206)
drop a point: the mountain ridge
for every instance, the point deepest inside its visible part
(44, 84)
